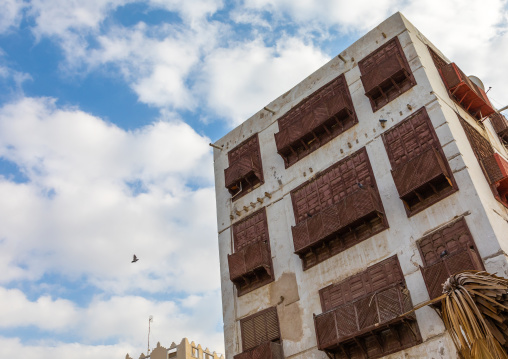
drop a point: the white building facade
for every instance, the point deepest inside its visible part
(352, 197)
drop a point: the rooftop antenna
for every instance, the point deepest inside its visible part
(150, 320)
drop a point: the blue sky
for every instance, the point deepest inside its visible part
(106, 111)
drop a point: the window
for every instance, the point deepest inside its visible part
(445, 252)
(361, 314)
(500, 124)
(195, 352)
(385, 74)
(461, 89)
(337, 209)
(245, 171)
(494, 166)
(315, 121)
(250, 266)
(420, 170)
(261, 336)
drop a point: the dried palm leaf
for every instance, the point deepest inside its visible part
(475, 313)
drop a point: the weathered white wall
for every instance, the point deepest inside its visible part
(486, 218)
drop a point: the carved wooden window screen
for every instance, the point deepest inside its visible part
(332, 185)
(494, 167)
(447, 251)
(419, 167)
(316, 120)
(386, 74)
(337, 209)
(251, 229)
(438, 60)
(362, 314)
(374, 278)
(245, 170)
(500, 124)
(259, 328)
(250, 266)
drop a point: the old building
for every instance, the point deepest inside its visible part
(352, 197)
(184, 350)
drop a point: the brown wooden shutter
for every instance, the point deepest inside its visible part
(251, 229)
(369, 320)
(385, 74)
(245, 167)
(259, 328)
(420, 170)
(500, 124)
(332, 185)
(374, 278)
(447, 251)
(438, 60)
(333, 208)
(250, 266)
(314, 121)
(494, 166)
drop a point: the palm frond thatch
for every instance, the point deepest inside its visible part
(474, 309)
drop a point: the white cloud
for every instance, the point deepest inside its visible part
(241, 79)
(347, 15)
(14, 348)
(11, 14)
(157, 62)
(119, 318)
(45, 313)
(192, 11)
(97, 194)
(474, 35)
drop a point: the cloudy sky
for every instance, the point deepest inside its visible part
(106, 111)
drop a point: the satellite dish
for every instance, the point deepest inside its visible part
(477, 82)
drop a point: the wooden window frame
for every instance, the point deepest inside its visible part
(277, 339)
(389, 84)
(239, 187)
(349, 233)
(256, 273)
(309, 125)
(428, 198)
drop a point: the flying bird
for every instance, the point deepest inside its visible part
(134, 259)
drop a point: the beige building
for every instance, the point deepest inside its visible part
(184, 350)
(352, 197)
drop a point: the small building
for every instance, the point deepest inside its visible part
(352, 197)
(184, 350)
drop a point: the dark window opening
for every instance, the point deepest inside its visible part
(245, 171)
(362, 314)
(445, 252)
(261, 336)
(250, 266)
(385, 74)
(315, 121)
(420, 170)
(337, 209)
